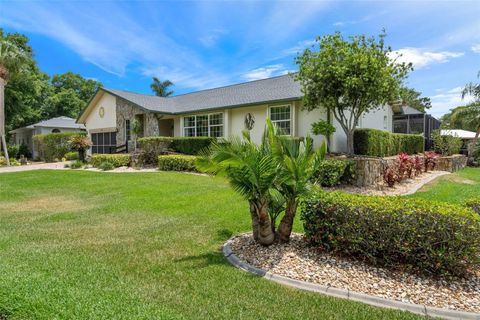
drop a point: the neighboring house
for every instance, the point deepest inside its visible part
(466, 136)
(409, 120)
(218, 112)
(60, 124)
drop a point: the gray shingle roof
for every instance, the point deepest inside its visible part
(253, 92)
(58, 122)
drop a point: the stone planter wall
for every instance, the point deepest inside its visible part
(369, 170)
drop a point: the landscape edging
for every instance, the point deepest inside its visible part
(345, 293)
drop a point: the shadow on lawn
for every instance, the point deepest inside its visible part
(203, 260)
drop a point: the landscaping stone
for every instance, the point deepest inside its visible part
(356, 280)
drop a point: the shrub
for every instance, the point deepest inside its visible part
(81, 144)
(13, 151)
(350, 171)
(72, 155)
(405, 167)
(152, 147)
(473, 204)
(446, 145)
(191, 145)
(106, 166)
(3, 161)
(77, 164)
(431, 159)
(13, 162)
(394, 231)
(418, 164)
(53, 145)
(379, 143)
(390, 175)
(177, 163)
(117, 160)
(330, 172)
(23, 150)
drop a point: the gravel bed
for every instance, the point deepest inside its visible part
(299, 261)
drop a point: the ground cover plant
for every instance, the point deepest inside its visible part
(88, 245)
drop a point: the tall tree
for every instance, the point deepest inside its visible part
(350, 77)
(472, 89)
(160, 88)
(414, 99)
(470, 115)
(12, 59)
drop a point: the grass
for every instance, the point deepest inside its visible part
(86, 245)
(453, 188)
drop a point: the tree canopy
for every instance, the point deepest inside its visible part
(414, 99)
(349, 77)
(31, 95)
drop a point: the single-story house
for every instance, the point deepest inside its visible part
(412, 121)
(218, 112)
(466, 136)
(60, 124)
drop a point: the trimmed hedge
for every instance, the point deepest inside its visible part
(330, 172)
(53, 146)
(117, 160)
(394, 231)
(72, 155)
(177, 163)
(191, 145)
(153, 147)
(379, 143)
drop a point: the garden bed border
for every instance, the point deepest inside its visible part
(346, 293)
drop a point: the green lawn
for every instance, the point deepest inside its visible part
(86, 245)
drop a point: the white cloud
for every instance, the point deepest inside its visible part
(476, 48)
(421, 57)
(265, 72)
(299, 47)
(211, 39)
(447, 99)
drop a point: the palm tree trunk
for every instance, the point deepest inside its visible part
(474, 143)
(285, 227)
(254, 216)
(2, 120)
(265, 234)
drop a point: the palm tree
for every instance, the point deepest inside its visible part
(11, 60)
(470, 115)
(160, 88)
(298, 162)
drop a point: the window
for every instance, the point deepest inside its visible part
(128, 134)
(385, 122)
(208, 125)
(104, 142)
(56, 130)
(281, 118)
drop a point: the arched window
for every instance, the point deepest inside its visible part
(55, 130)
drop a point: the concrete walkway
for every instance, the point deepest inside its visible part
(35, 166)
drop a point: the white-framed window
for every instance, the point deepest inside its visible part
(205, 125)
(281, 117)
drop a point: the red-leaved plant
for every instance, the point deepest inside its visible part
(406, 165)
(431, 159)
(418, 165)
(390, 176)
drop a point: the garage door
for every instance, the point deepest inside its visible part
(104, 142)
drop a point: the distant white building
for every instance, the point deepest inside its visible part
(55, 125)
(464, 134)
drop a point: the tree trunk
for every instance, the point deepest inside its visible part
(285, 227)
(254, 216)
(81, 155)
(2, 120)
(265, 234)
(350, 148)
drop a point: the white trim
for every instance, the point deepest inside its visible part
(292, 116)
(182, 123)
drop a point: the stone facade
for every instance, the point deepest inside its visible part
(128, 111)
(369, 171)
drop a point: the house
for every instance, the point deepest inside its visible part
(60, 124)
(412, 121)
(466, 136)
(218, 112)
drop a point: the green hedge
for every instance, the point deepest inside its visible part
(72, 155)
(153, 147)
(191, 145)
(379, 143)
(177, 163)
(394, 231)
(53, 146)
(331, 172)
(117, 160)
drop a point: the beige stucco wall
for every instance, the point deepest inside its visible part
(109, 120)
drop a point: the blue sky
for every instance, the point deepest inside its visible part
(205, 44)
